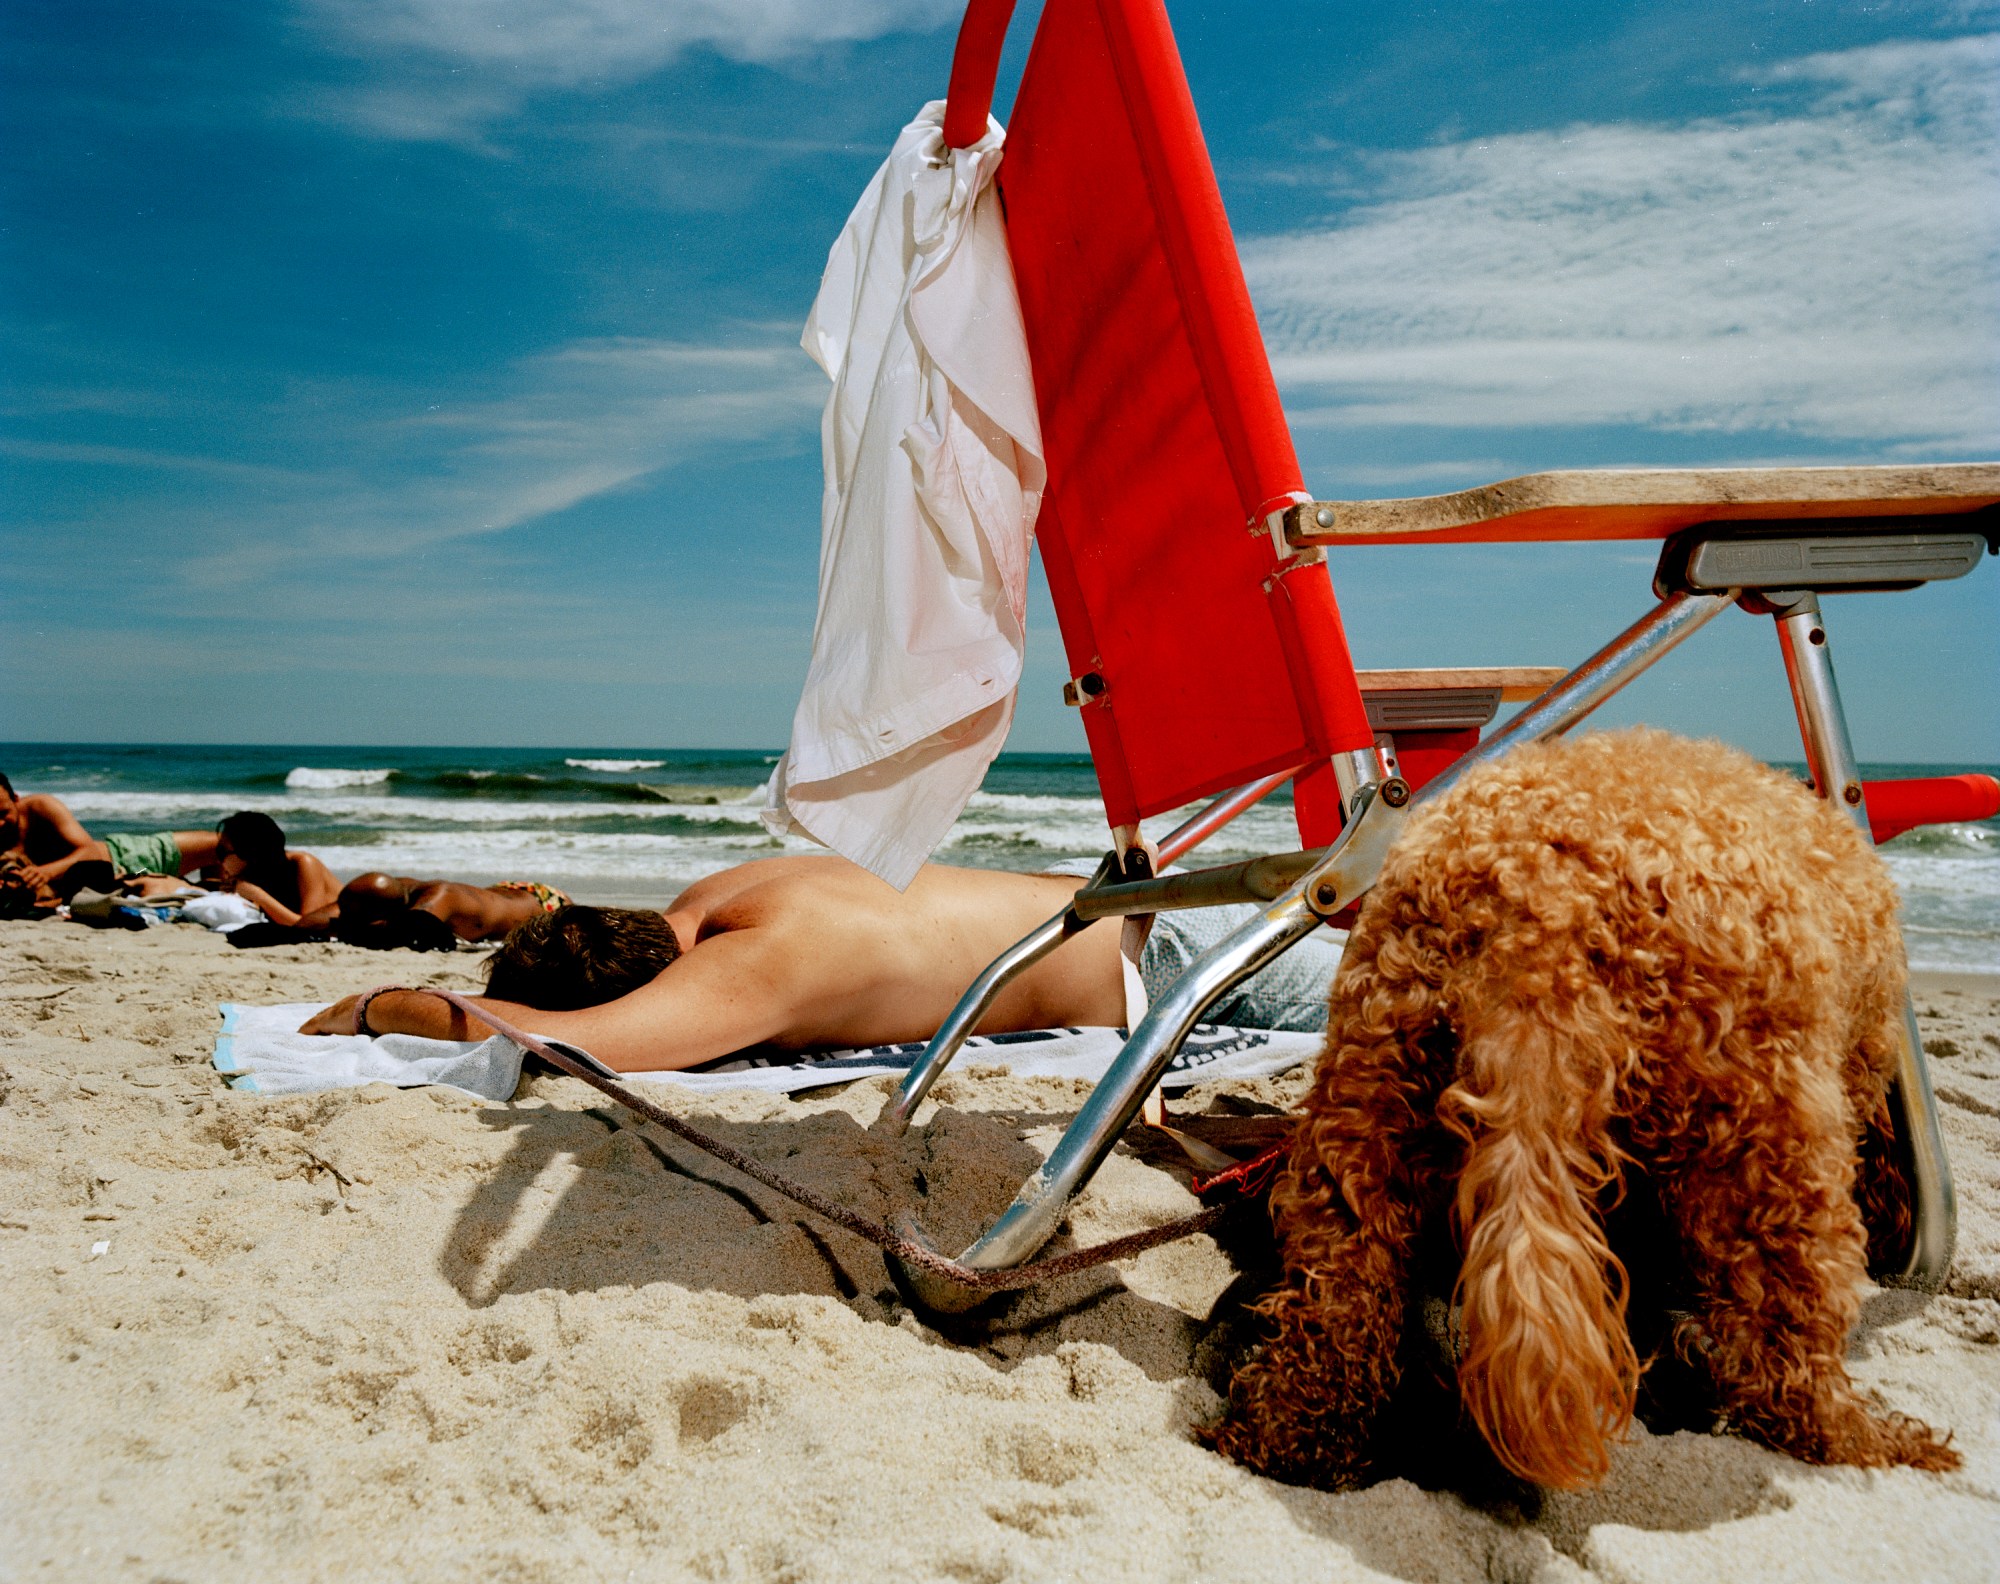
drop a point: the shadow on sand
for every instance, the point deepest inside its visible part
(595, 1199)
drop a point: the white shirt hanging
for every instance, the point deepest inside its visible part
(932, 451)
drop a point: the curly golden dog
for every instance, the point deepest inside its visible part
(1595, 961)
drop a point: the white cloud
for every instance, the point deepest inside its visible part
(448, 66)
(567, 41)
(1828, 273)
(582, 421)
(404, 554)
(596, 415)
(155, 461)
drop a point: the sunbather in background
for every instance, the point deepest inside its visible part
(815, 953)
(45, 853)
(252, 860)
(47, 856)
(390, 910)
(167, 855)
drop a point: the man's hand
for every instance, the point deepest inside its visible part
(40, 876)
(336, 1019)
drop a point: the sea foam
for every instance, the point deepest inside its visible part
(615, 766)
(308, 778)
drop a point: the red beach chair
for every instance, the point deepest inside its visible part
(1187, 564)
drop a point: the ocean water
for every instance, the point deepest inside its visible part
(635, 826)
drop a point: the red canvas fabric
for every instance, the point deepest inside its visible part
(1897, 806)
(1164, 435)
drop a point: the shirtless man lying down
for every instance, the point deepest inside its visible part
(41, 843)
(813, 953)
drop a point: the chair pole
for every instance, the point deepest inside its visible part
(1663, 628)
(1044, 1198)
(975, 64)
(1837, 777)
(1030, 949)
(1045, 938)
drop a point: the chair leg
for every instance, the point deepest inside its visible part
(1039, 1207)
(1779, 1295)
(1837, 776)
(1045, 938)
(972, 1006)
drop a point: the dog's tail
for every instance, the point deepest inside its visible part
(1548, 1370)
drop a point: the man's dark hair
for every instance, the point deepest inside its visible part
(421, 931)
(6, 785)
(580, 957)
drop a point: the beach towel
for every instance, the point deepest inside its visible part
(260, 1050)
(932, 457)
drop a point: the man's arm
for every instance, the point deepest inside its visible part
(52, 815)
(729, 992)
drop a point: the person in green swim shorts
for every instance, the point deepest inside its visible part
(170, 853)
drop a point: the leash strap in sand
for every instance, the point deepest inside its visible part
(883, 1237)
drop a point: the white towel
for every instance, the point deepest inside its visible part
(260, 1050)
(932, 455)
(221, 911)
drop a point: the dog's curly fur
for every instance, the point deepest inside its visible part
(1623, 954)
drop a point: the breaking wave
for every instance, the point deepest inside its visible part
(305, 778)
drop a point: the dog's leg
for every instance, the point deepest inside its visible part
(1882, 1190)
(1881, 1179)
(1347, 1210)
(1776, 1246)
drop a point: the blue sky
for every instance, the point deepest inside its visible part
(426, 370)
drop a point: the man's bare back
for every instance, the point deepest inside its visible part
(813, 953)
(857, 941)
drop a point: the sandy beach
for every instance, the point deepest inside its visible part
(389, 1334)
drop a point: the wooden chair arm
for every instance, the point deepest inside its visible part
(1646, 503)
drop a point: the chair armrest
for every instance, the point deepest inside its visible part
(1646, 503)
(1514, 682)
(1897, 806)
(1447, 698)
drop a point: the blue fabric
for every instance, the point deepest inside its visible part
(1290, 994)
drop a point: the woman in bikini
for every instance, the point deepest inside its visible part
(393, 910)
